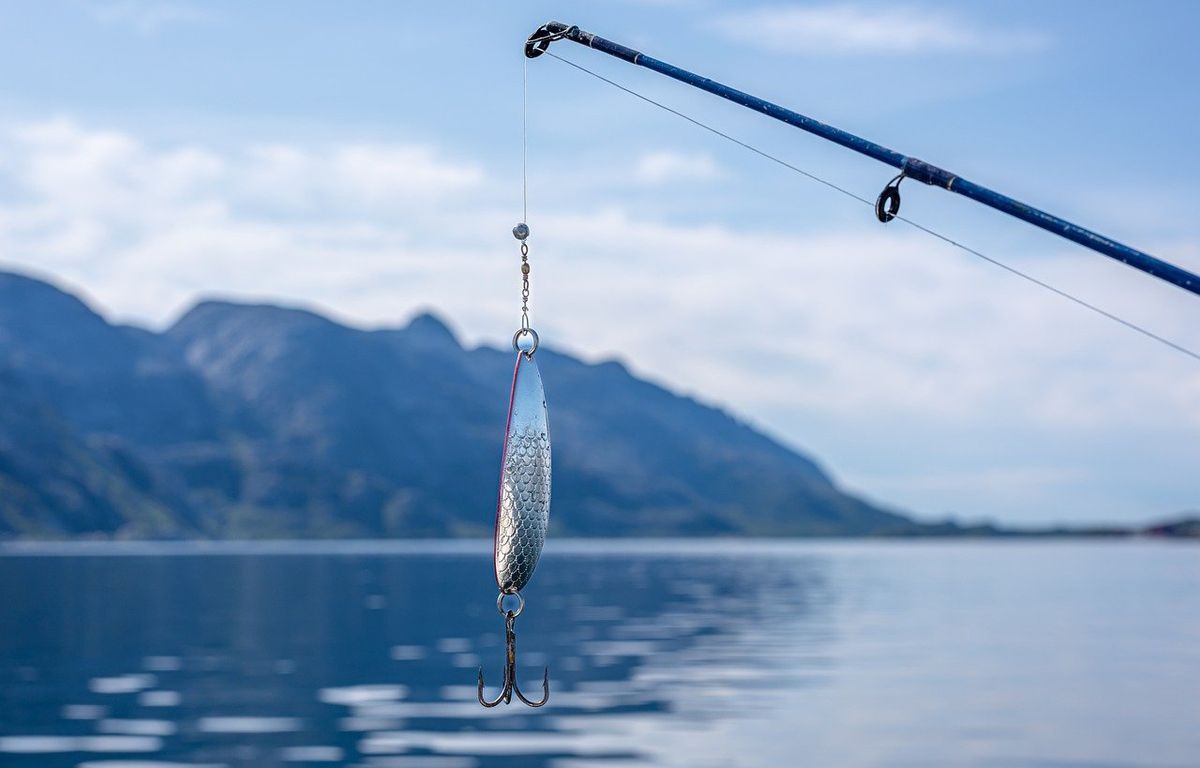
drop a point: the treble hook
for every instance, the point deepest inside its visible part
(510, 670)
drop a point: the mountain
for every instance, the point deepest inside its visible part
(255, 420)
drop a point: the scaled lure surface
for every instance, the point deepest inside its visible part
(523, 508)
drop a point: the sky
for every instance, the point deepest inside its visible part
(364, 159)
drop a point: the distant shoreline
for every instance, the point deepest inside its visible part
(474, 545)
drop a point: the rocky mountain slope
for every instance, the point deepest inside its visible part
(255, 420)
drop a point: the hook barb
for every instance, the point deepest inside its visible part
(545, 690)
(505, 692)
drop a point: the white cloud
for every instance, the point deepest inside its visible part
(847, 29)
(865, 319)
(146, 228)
(147, 17)
(666, 166)
(354, 177)
(875, 347)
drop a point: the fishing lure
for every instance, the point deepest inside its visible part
(523, 506)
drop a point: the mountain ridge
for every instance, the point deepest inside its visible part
(253, 420)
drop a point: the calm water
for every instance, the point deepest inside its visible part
(1070, 655)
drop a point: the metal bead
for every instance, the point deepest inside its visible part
(525, 269)
(521, 231)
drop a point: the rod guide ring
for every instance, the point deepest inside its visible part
(539, 42)
(887, 205)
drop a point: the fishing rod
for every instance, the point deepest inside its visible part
(887, 205)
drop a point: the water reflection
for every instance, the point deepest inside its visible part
(355, 655)
(249, 659)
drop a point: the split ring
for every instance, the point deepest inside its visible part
(500, 603)
(525, 332)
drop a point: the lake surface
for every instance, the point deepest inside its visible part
(921, 654)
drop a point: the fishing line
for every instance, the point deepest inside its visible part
(871, 203)
(524, 138)
(523, 503)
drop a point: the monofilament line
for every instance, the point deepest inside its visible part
(871, 203)
(524, 138)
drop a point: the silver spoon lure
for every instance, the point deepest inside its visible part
(523, 506)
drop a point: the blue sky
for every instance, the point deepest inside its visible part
(364, 159)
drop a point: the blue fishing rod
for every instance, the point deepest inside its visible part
(887, 206)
